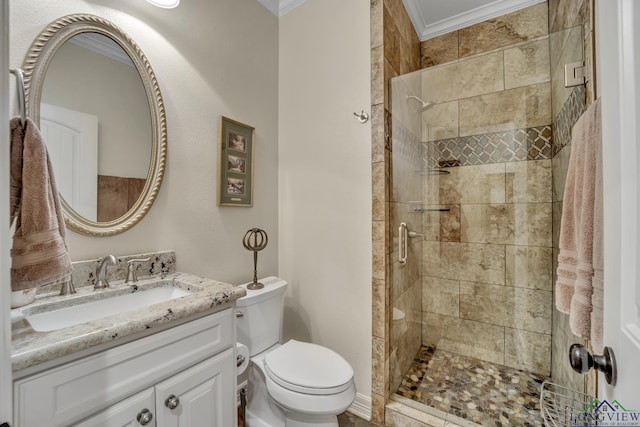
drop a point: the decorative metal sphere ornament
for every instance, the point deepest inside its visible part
(255, 240)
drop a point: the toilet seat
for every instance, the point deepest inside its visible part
(308, 368)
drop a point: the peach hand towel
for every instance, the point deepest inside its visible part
(581, 226)
(39, 253)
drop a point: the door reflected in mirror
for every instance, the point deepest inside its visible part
(95, 118)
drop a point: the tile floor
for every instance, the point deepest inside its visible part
(474, 390)
(349, 420)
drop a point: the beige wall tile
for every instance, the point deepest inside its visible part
(527, 64)
(377, 76)
(378, 373)
(439, 50)
(377, 133)
(467, 184)
(379, 177)
(529, 267)
(379, 307)
(469, 338)
(401, 19)
(560, 165)
(565, 47)
(400, 415)
(376, 28)
(464, 79)
(391, 42)
(519, 224)
(406, 184)
(441, 225)
(528, 350)
(510, 109)
(479, 75)
(440, 84)
(379, 244)
(406, 110)
(505, 306)
(564, 13)
(440, 121)
(441, 296)
(557, 217)
(524, 24)
(528, 182)
(488, 223)
(464, 261)
(561, 371)
(533, 224)
(406, 332)
(377, 408)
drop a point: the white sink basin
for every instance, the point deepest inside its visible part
(65, 316)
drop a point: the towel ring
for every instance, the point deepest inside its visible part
(20, 93)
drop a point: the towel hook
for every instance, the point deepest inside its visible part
(362, 116)
(20, 92)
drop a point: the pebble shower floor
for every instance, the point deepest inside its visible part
(474, 390)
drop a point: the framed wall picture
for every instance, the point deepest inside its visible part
(235, 186)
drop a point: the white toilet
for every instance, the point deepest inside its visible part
(295, 384)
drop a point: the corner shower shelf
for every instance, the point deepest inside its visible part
(561, 406)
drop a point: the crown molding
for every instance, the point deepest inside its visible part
(272, 6)
(280, 7)
(102, 45)
(492, 10)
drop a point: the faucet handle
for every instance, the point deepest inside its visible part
(132, 276)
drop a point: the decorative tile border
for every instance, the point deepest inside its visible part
(567, 117)
(499, 147)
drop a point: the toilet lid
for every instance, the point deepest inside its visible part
(308, 368)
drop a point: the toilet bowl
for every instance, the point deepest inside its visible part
(295, 384)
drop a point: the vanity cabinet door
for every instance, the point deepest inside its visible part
(201, 396)
(134, 411)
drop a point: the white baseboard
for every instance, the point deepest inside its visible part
(361, 407)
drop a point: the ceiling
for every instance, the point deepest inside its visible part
(432, 18)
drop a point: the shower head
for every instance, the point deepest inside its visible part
(424, 105)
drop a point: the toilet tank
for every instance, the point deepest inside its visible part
(259, 315)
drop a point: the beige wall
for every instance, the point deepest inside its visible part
(211, 59)
(325, 178)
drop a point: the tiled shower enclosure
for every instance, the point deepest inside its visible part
(476, 144)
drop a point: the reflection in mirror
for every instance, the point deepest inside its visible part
(96, 99)
(92, 79)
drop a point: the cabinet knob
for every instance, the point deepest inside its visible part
(172, 402)
(144, 417)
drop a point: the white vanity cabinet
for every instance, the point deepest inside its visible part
(183, 376)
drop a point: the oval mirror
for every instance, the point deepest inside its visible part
(96, 100)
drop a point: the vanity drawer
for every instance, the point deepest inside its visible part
(70, 392)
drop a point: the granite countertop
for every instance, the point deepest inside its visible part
(30, 348)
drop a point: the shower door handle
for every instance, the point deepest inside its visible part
(403, 245)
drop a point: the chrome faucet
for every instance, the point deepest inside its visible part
(132, 276)
(101, 272)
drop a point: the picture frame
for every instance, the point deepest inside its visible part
(235, 183)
